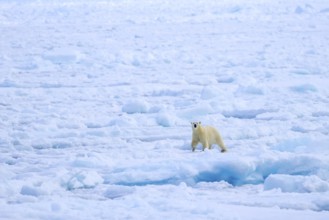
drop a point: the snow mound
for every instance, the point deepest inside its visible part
(32, 191)
(299, 184)
(194, 113)
(136, 106)
(165, 120)
(82, 179)
(244, 114)
(212, 166)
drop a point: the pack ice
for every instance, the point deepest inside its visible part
(96, 100)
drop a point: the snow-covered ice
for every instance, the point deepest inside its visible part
(96, 100)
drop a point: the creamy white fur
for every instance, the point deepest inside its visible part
(207, 136)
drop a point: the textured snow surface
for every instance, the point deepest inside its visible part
(96, 100)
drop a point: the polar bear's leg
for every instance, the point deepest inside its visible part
(205, 144)
(220, 143)
(194, 143)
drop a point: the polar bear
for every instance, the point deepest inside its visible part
(207, 136)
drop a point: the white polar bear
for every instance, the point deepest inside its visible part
(207, 136)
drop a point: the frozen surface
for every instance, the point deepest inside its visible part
(96, 100)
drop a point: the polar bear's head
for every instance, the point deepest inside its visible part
(195, 125)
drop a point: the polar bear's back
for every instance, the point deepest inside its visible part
(212, 134)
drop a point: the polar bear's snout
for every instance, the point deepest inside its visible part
(195, 124)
